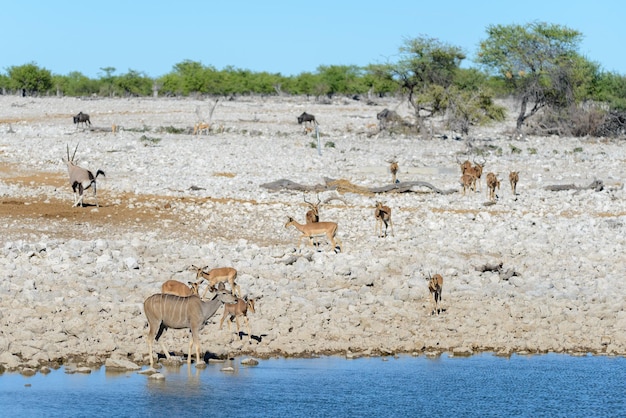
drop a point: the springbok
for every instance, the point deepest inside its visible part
(513, 179)
(235, 310)
(215, 276)
(318, 229)
(383, 215)
(169, 311)
(313, 214)
(80, 178)
(435, 287)
(174, 287)
(492, 183)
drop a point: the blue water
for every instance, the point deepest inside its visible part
(478, 386)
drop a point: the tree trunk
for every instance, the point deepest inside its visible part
(522, 113)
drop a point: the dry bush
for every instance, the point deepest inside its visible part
(580, 121)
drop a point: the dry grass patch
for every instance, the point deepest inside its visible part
(229, 175)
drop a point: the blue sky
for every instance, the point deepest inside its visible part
(276, 36)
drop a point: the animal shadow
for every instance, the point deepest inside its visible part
(257, 338)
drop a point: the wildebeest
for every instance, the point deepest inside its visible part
(388, 117)
(82, 118)
(306, 117)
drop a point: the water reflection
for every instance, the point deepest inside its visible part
(481, 385)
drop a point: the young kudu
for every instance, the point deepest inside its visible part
(80, 178)
(169, 311)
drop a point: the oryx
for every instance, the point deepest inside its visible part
(80, 178)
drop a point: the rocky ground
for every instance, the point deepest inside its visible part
(74, 279)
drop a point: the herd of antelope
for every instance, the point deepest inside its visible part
(472, 173)
(180, 306)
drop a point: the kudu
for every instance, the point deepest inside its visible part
(80, 178)
(169, 311)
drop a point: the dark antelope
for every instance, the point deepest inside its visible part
(80, 178)
(169, 311)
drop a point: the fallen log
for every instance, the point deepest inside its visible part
(346, 186)
(596, 185)
(284, 184)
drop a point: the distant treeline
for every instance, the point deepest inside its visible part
(537, 63)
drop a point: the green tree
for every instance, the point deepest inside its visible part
(134, 83)
(76, 84)
(171, 84)
(341, 79)
(379, 79)
(5, 83)
(424, 65)
(192, 77)
(30, 78)
(107, 81)
(303, 83)
(539, 62)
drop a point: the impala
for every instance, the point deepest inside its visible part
(237, 309)
(313, 214)
(492, 183)
(174, 287)
(383, 216)
(435, 287)
(513, 179)
(216, 276)
(318, 229)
